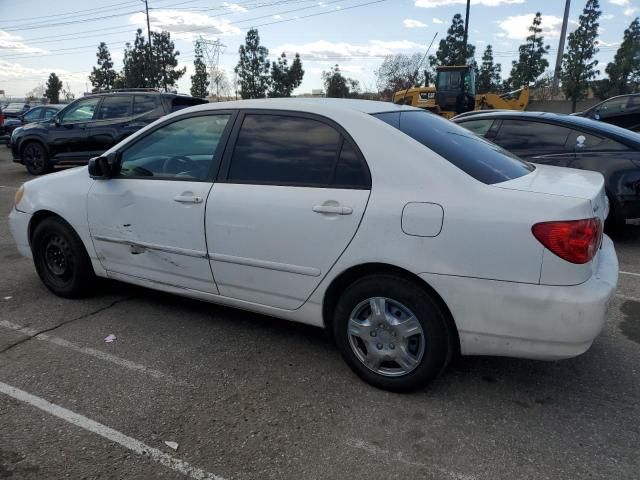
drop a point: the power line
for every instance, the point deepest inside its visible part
(74, 13)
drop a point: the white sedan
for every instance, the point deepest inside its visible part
(407, 237)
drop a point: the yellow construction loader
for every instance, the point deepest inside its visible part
(455, 93)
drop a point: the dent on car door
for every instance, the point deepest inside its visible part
(148, 222)
(537, 142)
(289, 200)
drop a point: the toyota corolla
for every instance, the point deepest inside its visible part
(406, 236)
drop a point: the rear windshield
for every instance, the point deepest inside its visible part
(472, 154)
(180, 102)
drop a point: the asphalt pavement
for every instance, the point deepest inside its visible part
(249, 397)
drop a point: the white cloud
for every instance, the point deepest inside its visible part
(443, 3)
(608, 16)
(234, 7)
(602, 43)
(323, 49)
(15, 43)
(517, 26)
(437, 21)
(481, 41)
(622, 3)
(410, 23)
(277, 17)
(186, 25)
(628, 12)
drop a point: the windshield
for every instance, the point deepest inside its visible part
(483, 160)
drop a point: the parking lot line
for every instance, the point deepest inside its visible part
(9, 188)
(115, 436)
(627, 297)
(633, 274)
(108, 357)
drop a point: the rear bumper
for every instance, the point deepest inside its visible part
(530, 321)
(19, 227)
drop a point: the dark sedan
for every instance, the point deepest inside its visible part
(36, 114)
(575, 142)
(623, 110)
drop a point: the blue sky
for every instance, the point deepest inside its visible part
(38, 37)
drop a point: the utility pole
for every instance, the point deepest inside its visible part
(212, 51)
(466, 31)
(149, 59)
(563, 34)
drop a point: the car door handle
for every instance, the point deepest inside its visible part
(187, 199)
(334, 209)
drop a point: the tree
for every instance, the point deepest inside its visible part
(199, 82)
(624, 71)
(104, 76)
(284, 78)
(399, 72)
(531, 62)
(253, 67)
(164, 60)
(221, 82)
(337, 85)
(135, 69)
(489, 79)
(68, 95)
(451, 49)
(37, 93)
(578, 65)
(54, 85)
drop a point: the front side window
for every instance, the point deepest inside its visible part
(143, 104)
(479, 127)
(115, 107)
(612, 107)
(284, 150)
(184, 149)
(32, 115)
(479, 158)
(49, 113)
(81, 111)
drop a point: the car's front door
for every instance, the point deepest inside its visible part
(289, 199)
(68, 136)
(537, 142)
(148, 222)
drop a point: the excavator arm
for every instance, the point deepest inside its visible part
(516, 100)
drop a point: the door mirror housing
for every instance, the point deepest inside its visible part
(56, 120)
(104, 166)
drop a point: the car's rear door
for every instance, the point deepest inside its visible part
(536, 141)
(104, 131)
(148, 222)
(289, 199)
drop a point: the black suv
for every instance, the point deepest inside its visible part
(91, 125)
(623, 111)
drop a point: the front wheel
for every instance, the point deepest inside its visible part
(61, 259)
(35, 158)
(392, 333)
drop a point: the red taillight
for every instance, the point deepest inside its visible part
(1, 119)
(575, 241)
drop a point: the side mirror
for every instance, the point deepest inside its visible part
(56, 120)
(104, 166)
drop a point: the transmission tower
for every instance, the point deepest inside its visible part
(212, 51)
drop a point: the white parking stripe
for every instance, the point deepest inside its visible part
(132, 444)
(633, 274)
(627, 297)
(9, 188)
(107, 357)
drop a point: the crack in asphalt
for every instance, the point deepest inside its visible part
(66, 322)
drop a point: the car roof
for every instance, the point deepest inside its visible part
(570, 121)
(310, 104)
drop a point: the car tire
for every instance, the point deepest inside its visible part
(614, 222)
(392, 332)
(61, 259)
(35, 158)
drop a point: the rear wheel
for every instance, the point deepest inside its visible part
(35, 158)
(61, 259)
(392, 333)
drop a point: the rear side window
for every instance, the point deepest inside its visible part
(350, 171)
(532, 137)
(143, 104)
(587, 142)
(115, 107)
(179, 102)
(284, 150)
(484, 161)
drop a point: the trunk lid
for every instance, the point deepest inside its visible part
(565, 182)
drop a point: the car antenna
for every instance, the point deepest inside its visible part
(420, 65)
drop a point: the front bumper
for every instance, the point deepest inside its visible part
(19, 227)
(530, 321)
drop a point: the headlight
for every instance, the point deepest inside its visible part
(19, 195)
